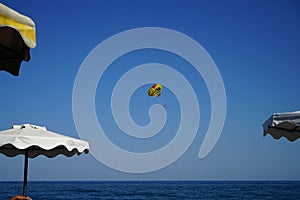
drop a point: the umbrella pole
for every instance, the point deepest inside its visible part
(25, 172)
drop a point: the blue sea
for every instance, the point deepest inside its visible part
(154, 190)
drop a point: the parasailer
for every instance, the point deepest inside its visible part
(155, 91)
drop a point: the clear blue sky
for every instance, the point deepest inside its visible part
(255, 45)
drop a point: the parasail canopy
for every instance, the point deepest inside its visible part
(155, 90)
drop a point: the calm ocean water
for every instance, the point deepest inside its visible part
(155, 190)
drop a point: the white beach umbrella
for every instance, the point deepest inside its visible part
(285, 124)
(31, 141)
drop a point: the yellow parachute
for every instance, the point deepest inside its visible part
(155, 90)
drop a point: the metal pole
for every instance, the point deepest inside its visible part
(25, 172)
